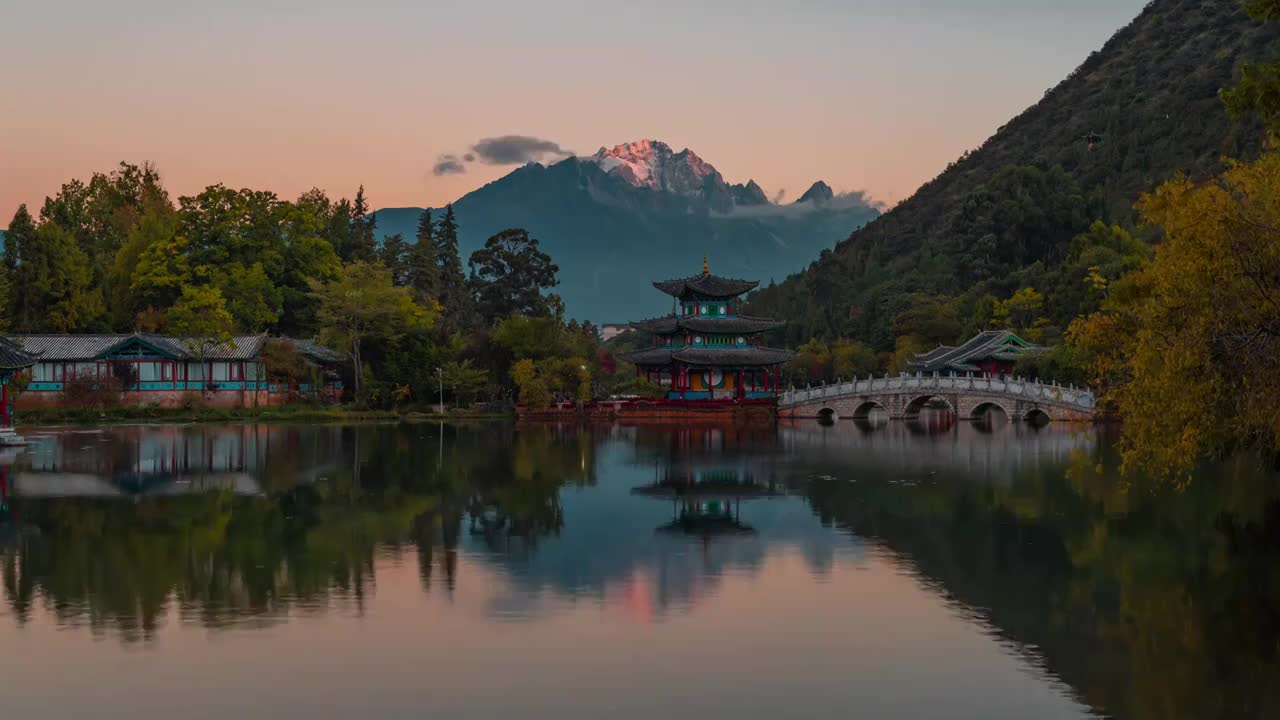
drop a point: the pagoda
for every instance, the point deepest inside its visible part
(704, 350)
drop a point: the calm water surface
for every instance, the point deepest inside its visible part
(900, 571)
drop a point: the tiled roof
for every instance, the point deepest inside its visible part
(1001, 344)
(750, 357)
(707, 324)
(707, 285)
(650, 356)
(317, 352)
(755, 357)
(730, 325)
(72, 348)
(13, 357)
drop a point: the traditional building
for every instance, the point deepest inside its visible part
(991, 352)
(167, 371)
(705, 350)
(12, 361)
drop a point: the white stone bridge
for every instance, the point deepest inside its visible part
(904, 396)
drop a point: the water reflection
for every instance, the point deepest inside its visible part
(998, 566)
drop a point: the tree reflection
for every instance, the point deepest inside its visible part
(304, 540)
(1150, 601)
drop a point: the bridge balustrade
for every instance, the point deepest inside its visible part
(1080, 398)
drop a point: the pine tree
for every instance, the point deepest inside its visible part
(454, 294)
(424, 275)
(362, 242)
(18, 240)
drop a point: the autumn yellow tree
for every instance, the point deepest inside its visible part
(1188, 347)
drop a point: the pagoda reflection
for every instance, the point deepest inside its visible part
(706, 500)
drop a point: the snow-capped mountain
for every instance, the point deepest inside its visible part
(640, 212)
(654, 165)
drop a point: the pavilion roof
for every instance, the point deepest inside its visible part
(13, 357)
(999, 344)
(702, 324)
(710, 356)
(706, 285)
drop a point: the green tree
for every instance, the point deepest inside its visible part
(463, 379)
(251, 298)
(363, 303)
(394, 253)
(161, 273)
(362, 240)
(20, 236)
(454, 293)
(534, 392)
(1258, 91)
(57, 284)
(200, 317)
(1188, 347)
(421, 262)
(158, 225)
(509, 274)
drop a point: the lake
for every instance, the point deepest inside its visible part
(889, 570)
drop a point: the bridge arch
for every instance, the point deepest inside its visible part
(863, 409)
(1037, 416)
(828, 415)
(982, 409)
(919, 403)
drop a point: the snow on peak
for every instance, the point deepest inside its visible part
(652, 164)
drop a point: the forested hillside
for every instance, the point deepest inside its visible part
(1004, 217)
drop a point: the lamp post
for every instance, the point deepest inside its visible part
(440, 375)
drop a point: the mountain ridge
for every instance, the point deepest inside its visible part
(1150, 95)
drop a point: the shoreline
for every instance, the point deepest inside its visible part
(53, 417)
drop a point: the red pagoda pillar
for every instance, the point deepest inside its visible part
(4, 402)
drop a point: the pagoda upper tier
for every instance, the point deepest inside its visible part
(706, 286)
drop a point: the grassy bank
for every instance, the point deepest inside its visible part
(283, 413)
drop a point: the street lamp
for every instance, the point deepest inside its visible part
(440, 374)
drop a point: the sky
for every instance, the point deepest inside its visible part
(286, 95)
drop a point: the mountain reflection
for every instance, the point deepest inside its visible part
(1148, 600)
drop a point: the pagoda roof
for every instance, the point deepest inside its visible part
(703, 324)
(13, 357)
(706, 285)
(999, 344)
(729, 356)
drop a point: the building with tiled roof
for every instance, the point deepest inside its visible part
(705, 350)
(167, 370)
(991, 352)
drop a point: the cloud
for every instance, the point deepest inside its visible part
(779, 196)
(844, 201)
(516, 150)
(448, 165)
(469, 157)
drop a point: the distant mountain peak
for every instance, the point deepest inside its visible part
(653, 164)
(818, 193)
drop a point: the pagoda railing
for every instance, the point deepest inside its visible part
(1018, 388)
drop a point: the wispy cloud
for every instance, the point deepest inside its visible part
(516, 150)
(448, 165)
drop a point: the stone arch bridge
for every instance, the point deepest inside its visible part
(904, 396)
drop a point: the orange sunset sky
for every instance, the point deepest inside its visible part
(877, 95)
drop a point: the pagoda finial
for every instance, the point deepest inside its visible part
(706, 268)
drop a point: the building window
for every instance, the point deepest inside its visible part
(697, 339)
(722, 310)
(220, 373)
(742, 340)
(148, 372)
(166, 371)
